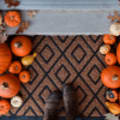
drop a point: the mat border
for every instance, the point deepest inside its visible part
(40, 118)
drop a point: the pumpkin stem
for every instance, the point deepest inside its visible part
(23, 76)
(4, 85)
(18, 44)
(115, 77)
(111, 37)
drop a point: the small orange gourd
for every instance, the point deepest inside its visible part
(9, 85)
(24, 76)
(109, 39)
(12, 18)
(4, 107)
(15, 67)
(110, 77)
(110, 59)
(112, 95)
(114, 108)
(21, 46)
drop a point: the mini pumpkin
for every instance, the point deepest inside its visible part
(110, 77)
(15, 67)
(5, 57)
(112, 95)
(24, 76)
(104, 49)
(109, 39)
(110, 59)
(12, 18)
(4, 107)
(21, 46)
(9, 85)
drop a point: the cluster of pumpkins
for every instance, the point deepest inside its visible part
(12, 72)
(110, 76)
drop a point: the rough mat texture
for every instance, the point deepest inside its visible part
(68, 59)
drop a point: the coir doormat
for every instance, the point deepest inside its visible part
(64, 59)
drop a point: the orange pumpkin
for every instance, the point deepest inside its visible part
(110, 77)
(24, 76)
(12, 18)
(109, 39)
(112, 95)
(118, 53)
(15, 67)
(9, 85)
(21, 46)
(5, 57)
(110, 59)
(4, 107)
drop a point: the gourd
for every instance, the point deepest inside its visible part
(28, 60)
(114, 108)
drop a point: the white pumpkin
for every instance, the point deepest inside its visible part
(16, 101)
(104, 49)
(115, 29)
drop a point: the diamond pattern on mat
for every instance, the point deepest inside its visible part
(78, 53)
(65, 59)
(94, 74)
(62, 74)
(47, 53)
(83, 48)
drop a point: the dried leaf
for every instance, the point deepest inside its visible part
(11, 3)
(115, 17)
(2, 28)
(110, 116)
(3, 37)
(24, 26)
(32, 13)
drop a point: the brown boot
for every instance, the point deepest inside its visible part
(51, 106)
(70, 102)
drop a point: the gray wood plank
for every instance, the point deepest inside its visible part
(66, 4)
(67, 23)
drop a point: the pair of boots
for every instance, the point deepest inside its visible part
(53, 101)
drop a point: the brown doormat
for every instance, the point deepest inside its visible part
(68, 59)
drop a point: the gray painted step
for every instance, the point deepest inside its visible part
(70, 23)
(66, 4)
(70, 17)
